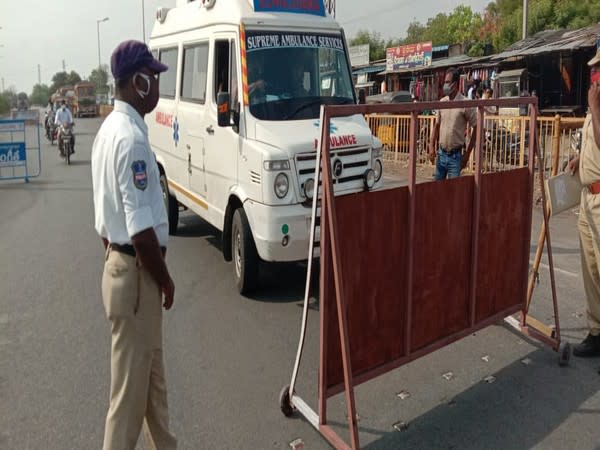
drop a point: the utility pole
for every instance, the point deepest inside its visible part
(98, 22)
(525, 14)
(39, 75)
(3, 84)
(64, 66)
(143, 23)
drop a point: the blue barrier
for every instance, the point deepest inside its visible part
(19, 144)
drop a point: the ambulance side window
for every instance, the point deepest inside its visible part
(194, 73)
(221, 68)
(168, 79)
(233, 78)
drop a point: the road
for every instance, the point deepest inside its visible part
(227, 357)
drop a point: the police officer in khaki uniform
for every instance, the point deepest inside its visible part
(450, 127)
(131, 219)
(588, 165)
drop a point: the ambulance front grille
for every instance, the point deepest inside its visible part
(354, 162)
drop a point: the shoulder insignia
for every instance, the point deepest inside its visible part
(140, 175)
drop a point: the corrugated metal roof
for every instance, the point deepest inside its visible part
(369, 69)
(552, 41)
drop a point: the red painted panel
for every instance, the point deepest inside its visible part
(373, 233)
(502, 228)
(442, 260)
(373, 239)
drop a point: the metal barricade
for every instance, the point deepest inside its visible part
(20, 151)
(505, 144)
(413, 291)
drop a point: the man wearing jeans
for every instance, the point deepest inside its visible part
(450, 127)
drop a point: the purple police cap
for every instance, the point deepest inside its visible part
(130, 57)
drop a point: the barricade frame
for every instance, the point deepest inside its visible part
(38, 148)
(290, 401)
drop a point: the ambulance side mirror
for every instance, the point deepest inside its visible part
(223, 114)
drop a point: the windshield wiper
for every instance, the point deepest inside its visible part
(318, 101)
(305, 105)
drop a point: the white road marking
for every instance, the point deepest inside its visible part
(556, 269)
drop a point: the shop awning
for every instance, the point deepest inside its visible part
(368, 69)
(552, 41)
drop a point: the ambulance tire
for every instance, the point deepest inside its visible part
(245, 257)
(171, 205)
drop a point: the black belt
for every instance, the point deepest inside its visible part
(451, 152)
(129, 249)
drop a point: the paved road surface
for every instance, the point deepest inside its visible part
(227, 356)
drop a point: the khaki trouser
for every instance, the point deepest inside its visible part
(138, 392)
(589, 238)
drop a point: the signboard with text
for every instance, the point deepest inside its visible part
(315, 7)
(409, 56)
(12, 154)
(12, 126)
(359, 55)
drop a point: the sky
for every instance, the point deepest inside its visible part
(46, 33)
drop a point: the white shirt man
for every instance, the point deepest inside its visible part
(127, 194)
(63, 116)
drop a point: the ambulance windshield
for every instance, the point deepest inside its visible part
(291, 74)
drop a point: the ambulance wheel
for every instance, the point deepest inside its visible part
(564, 354)
(245, 256)
(171, 205)
(284, 402)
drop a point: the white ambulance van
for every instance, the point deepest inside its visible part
(237, 122)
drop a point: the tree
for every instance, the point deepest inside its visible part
(61, 79)
(73, 78)
(4, 103)
(99, 77)
(376, 44)
(415, 32)
(40, 94)
(58, 80)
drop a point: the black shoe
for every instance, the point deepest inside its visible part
(589, 347)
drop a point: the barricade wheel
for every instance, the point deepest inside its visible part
(284, 402)
(564, 354)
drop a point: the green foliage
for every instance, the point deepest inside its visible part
(461, 26)
(40, 94)
(61, 79)
(99, 77)
(500, 25)
(58, 80)
(73, 78)
(376, 44)
(4, 103)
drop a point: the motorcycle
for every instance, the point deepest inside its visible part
(66, 141)
(50, 128)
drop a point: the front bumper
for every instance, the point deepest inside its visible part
(268, 224)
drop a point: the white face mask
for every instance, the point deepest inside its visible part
(141, 93)
(64, 107)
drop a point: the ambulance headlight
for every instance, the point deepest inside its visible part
(369, 178)
(309, 188)
(378, 169)
(280, 164)
(377, 152)
(282, 185)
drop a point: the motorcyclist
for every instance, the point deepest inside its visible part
(64, 118)
(49, 119)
